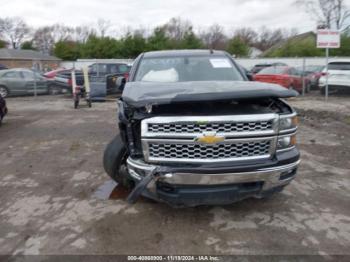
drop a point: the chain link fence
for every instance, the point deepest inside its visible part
(313, 72)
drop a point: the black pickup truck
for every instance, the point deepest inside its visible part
(98, 72)
(195, 131)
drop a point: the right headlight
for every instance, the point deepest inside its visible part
(288, 122)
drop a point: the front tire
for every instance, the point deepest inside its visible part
(4, 92)
(114, 162)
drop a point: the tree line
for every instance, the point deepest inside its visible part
(70, 43)
(100, 40)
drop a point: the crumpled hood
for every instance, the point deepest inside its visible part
(140, 94)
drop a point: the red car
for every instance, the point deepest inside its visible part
(288, 77)
(53, 73)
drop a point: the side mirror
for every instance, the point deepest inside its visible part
(120, 83)
(250, 76)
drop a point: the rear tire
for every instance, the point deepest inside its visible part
(53, 90)
(76, 103)
(323, 91)
(114, 162)
(4, 92)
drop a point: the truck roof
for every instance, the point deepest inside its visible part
(185, 52)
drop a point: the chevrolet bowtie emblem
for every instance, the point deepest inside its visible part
(209, 139)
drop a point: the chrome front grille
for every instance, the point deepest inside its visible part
(218, 127)
(220, 152)
(176, 139)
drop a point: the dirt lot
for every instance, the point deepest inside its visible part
(52, 180)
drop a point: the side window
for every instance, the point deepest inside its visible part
(27, 75)
(292, 72)
(11, 75)
(113, 69)
(123, 69)
(93, 68)
(102, 69)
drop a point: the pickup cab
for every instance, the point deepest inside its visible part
(195, 131)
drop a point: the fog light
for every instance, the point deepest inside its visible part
(288, 174)
(286, 142)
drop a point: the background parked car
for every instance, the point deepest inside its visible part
(338, 77)
(3, 108)
(98, 72)
(21, 81)
(53, 73)
(103, 69)
(313, 73)
(257, 68)
(2, 67)
(63, 79)
(108, 72)
(289, 77)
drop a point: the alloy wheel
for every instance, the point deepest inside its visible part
(3, 91)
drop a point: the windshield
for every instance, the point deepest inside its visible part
(272, 70)
(314, 68)
(339, 66)
(187, 68)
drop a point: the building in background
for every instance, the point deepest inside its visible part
(13, 58)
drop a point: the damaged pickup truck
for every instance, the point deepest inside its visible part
(195, 131)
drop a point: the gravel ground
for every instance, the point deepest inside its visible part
(52, 179)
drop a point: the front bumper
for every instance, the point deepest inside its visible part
(335, 83)
(197, 187)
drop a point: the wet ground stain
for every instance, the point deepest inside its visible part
(119, 192)
(111, 190)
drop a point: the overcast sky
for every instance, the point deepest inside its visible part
(148, 13)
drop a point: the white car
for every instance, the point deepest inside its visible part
(338, 77)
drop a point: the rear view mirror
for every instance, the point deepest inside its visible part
(120, 83)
